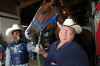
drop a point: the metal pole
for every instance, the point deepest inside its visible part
(39, 40)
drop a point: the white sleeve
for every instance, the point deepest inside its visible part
(30, 47)
(8, 58)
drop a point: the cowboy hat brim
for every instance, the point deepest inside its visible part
(13, 28)
(10, 30)
(77, 28)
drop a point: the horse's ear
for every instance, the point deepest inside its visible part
(65, 12)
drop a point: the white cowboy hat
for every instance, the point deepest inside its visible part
(14, 27)
(70, 23)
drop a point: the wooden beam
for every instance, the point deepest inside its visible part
(26, 3)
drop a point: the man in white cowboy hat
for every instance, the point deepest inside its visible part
(17, 52)
(66, 52)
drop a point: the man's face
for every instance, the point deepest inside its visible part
(66, 34)
(16, 35)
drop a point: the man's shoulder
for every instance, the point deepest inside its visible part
(54, 43)
(74, 47)
(74, 44)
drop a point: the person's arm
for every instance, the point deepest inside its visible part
(7, 59)
(32, 48)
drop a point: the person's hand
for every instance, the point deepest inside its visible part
(41, 51)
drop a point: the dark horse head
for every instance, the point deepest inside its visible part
(45, 15)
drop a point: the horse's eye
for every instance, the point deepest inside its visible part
(45, 13)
